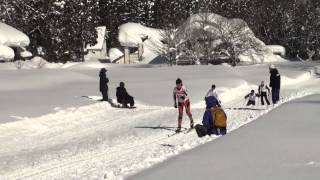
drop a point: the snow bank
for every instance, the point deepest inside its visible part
(87, 65)
(228, 94)
(265, 56)
(6, 52)
(115, 53)
(277, 49)
(10, 36)
(286, 81)
(35, 63)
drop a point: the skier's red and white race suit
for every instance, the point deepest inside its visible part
(181, 95)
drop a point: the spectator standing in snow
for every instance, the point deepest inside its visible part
(180, 94)
(123, 97)
(252, 98)
(104, 84)
(263, 89)
(275, 84)
(213, 92)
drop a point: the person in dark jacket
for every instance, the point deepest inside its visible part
(123, 97)
(104, 84)
(275, 84)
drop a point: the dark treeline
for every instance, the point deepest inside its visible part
(63, 27)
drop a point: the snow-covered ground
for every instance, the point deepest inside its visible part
(48, 131)
(280, 145)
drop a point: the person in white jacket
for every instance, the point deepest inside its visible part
(264, 91)
(213, 92)
(252, 98)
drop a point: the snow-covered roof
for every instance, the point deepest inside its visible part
(9, 36)
(6, 52)
(131, 34)
(101, 30)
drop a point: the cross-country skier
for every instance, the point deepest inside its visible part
(180, 94)
(213, 92)
(252, 98)
(262, 90)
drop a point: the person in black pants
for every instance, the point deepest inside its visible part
(252, 98)
(275, 83)
(263, 89)
(123, 97)
(104, 84)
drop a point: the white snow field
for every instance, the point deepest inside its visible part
(280, 145)
(49, 131)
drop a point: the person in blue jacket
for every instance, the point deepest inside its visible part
(208, 120)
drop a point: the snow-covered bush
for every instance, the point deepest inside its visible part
(19, 64)
(277, 49)
(208, 35)
(38, 62)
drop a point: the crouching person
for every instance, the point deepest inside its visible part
(123, 97)
(214, 119)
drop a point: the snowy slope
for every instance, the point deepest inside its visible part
(97, 141)
(273, 147)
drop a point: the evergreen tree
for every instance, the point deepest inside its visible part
(81, 19)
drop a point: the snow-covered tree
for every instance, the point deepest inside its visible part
(172, 13)
(61, 27)
(81, 19)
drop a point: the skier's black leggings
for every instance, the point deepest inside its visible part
(264, 94)
(251, 103)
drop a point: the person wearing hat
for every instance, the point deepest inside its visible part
(180, 94)
(123, 96)
(275, 83)
(104, 84)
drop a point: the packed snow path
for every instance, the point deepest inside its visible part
(97, 141)
(276, 146)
